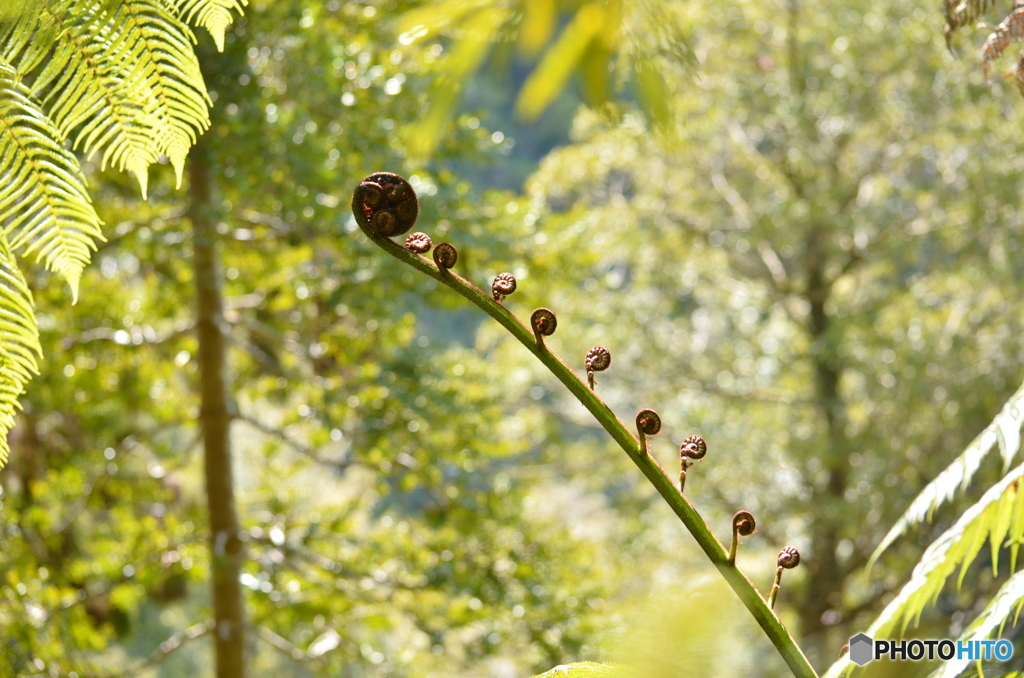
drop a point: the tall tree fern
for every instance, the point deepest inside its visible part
(114, 78)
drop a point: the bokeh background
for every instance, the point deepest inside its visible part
(807, 249)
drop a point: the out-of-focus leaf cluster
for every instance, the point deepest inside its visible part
(608, 43)
(385, 464)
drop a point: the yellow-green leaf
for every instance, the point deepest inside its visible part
(560, 61)
(19, 341)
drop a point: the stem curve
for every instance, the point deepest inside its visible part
(694, 523)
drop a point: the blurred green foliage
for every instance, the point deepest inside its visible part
(832, 201)
(381, 535)
(613, 46)
(817, 269)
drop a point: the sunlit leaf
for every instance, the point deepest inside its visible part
(560, 61)
(432, 18)
(537, 25)
(467, 54)
(118, 77)
(957, 546)
(19, 341)
(1003, 432)
(1004, 605)
(44, 208)
(583, 670)
(213, 15)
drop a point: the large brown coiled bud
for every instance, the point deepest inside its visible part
(385, 204)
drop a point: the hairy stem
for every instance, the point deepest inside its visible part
(714, 550)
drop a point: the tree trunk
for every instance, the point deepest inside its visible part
(215, 420)
(826, 574)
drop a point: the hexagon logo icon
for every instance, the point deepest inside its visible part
(862, 649)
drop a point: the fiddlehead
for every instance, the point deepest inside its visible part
(743, 524)
(598, 359)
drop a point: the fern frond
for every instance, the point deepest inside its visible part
(1004, 431)
(1007, 603)
(960, 13)
(213, 15)
(159, 48)
(25, 37)
(957, 546)
(86, 84)
(12, 9)
(19, 341)
(1009, 30)
(44, 208)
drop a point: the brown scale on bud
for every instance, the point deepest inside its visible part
(504, 284)
(691, 450)
(598, 359)
(743, 525)
(385, 204)
(648, 423)
(418, 242)
(445, 256)
(385, 223)
(789, 558)
(407, 211)
(372, 193)
(543, 322)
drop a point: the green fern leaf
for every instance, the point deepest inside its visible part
(1016, 535)
(19, 341)
(992, 618)
(956, 546)
(1004, 515)
(158, 45)
(1004, 432)
(213, 15)
(25, 38)
(84, 84)
(44, 208)
(584, 670)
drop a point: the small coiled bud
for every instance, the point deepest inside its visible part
(543, 322)
(418, 242)
(648, 423)
(445, 255)
(742, 525)
(407, 211)
(504, 284)
(385, 223)
(692, 449)
(385, 204)
(598, 359)
(789, 558)
(372, 193)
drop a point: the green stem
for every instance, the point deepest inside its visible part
(775, 588)
(714, 550)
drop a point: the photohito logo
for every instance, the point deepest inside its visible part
(863, 649)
